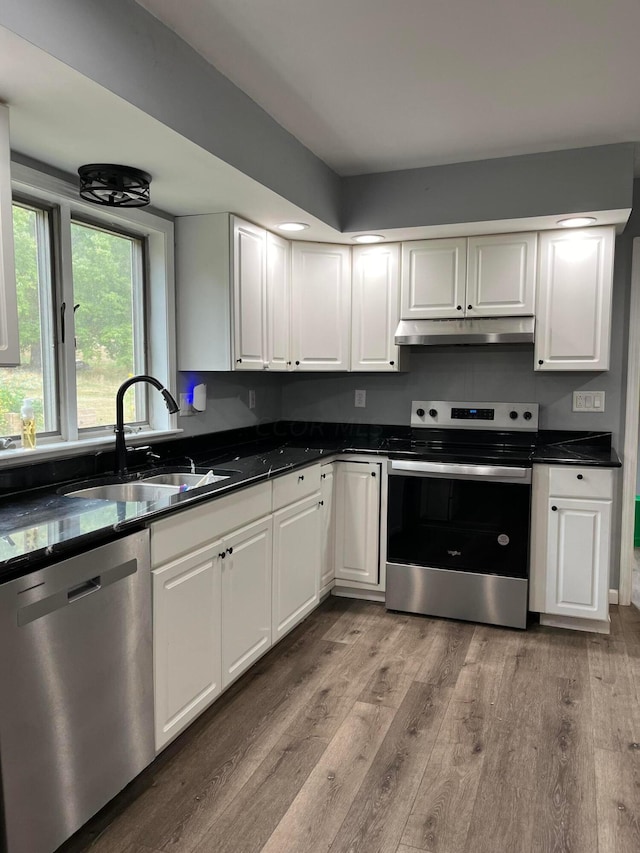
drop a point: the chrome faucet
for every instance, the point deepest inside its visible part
(121, 447)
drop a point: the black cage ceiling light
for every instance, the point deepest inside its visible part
(114, 186)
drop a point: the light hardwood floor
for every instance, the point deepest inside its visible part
(372, 732)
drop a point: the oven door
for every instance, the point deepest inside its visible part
(466, 518)
(458, 541)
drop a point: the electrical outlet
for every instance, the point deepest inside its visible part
(360, 400)
(185, 406)
(588, 401)
(252, 399)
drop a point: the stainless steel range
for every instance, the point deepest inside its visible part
(459, 511)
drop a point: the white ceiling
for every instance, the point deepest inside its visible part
(374, 85)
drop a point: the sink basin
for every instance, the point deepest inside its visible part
(137, 492)
(175, 478)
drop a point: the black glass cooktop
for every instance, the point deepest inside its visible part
(465, 446)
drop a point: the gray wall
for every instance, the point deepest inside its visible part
(128, 51)
(228, 401)
(571, 181)
(122, 47)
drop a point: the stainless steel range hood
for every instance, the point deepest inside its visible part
(479, 330)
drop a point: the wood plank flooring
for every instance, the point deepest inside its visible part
(372, 732)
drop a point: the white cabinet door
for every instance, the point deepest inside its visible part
(186, 640)
(296, 564)
(249, 296)
(278, 303)
(501, 275)
(321, 306)
(433, 279)
(578, 558)
(573, 313)
(375, 307)
(9, 350)
(357, 509)
(327, 530)
(246, 598)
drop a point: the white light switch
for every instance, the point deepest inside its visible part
(361, 399)
(592, 401)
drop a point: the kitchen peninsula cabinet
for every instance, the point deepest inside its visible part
(571, 545)
(573, 312)
(9, 348)
(375, 308)
(320, 306)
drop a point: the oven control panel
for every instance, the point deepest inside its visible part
(446, 414)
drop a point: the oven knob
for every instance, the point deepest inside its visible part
(527, 416)
(420, 413)
(433, 413)
(513, 415)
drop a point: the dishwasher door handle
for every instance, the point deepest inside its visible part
(63, 597)
(84, 588)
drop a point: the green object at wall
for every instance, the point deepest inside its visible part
(636, 529)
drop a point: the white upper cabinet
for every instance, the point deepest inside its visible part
(321, 306)
(278, 303)
(249, 295)
(501, 275)
(9, 349)
(433, 278)
(375, 307)
(573, 313)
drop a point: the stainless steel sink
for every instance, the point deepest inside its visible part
(136, 492)
(176, 478)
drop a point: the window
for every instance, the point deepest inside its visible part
(35, 379)
(93, 287)
(108, 309)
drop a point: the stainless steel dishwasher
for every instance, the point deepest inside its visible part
(76, 691)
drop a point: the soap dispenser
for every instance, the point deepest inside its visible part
(28, 425)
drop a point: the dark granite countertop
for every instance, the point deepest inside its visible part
(42, 524)
(555, 447)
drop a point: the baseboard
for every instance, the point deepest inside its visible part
(347, 592)
(573, 624)
(613, 596)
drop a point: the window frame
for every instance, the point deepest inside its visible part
(156, 231)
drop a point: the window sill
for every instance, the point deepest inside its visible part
(65, 449)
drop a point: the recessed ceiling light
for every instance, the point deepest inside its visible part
(293, 226)
(577, 221)
(368, 238)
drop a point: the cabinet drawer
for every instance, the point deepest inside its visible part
(184, 531)
(295, 486)
(573, 482)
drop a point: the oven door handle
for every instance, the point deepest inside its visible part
(455, 469)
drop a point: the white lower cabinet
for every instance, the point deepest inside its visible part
(327, 529)
(578, 558)
(186, 639)
(246, 598)
(357, 513)
(296, 564)
(571, 545)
